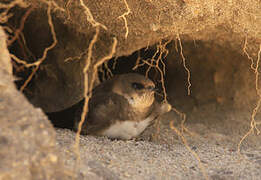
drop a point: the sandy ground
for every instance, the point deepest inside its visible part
(167, 157)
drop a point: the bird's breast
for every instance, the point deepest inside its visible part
(126, 129)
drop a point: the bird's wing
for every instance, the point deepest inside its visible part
(105, 109)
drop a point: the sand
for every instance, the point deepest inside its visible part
(165, 158)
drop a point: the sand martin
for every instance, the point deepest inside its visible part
(122, 107)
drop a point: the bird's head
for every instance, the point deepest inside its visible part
(137, 89)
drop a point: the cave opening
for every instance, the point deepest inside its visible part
(222, 92)
(116, 65)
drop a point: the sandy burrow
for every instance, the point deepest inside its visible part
(102, 158)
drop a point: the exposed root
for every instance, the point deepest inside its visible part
(68, 4)
(18, 60)
(22, 42)
(23, 46)
(248, 56)
(67, 9)
(86, 89)
(56, 7)
(90, 18)
(108, 70)
(201, 166)
(7, 29)
(184, 64)
(182, 116)
(39, 61)
(254, 123)
(137, 61)
(4, 14)
(114, 62)
(256, 71)
(180, 134)
(12, 4)
(75, 58)
(20, 29)
(101, 61)
(123, 16)
(156, 62)
(176, 45)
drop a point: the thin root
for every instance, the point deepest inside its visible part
(184, 64)
(201, 166)
(89, 16)
(248, 56)
(20, 29)
(39, 61)
(86, 89)
(253, 123)
(123, 16)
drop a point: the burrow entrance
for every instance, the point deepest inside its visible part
(221, 97)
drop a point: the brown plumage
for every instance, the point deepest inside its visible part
(121, 107)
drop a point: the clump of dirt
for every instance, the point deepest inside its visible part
(27, 139)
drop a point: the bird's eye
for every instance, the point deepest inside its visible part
(152, 88)
(137, 86)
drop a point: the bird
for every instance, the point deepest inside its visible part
(121, 107)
